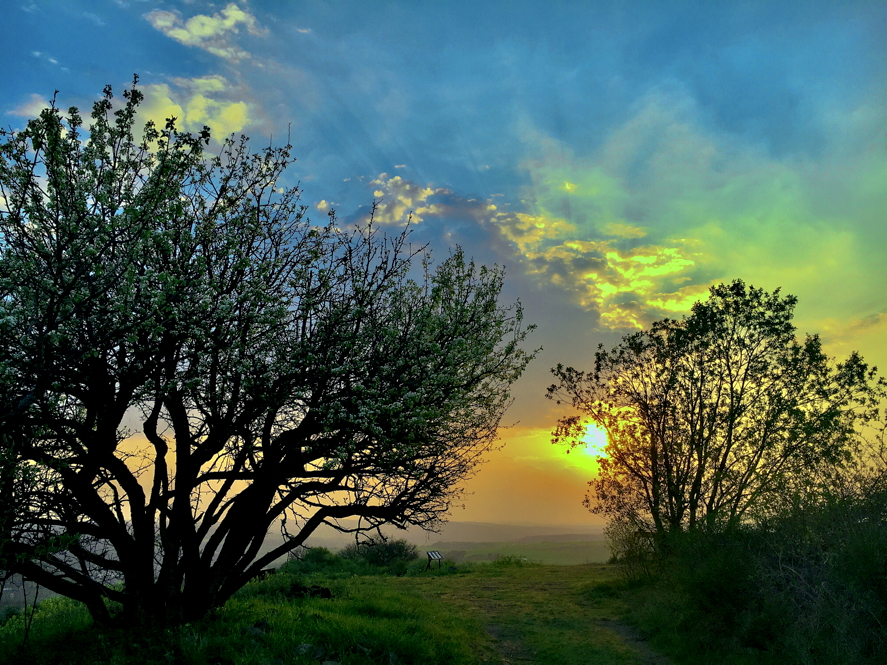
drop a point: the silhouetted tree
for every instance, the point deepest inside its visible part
(278, 369)
(715, 415)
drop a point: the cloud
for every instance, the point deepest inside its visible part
(31, 107)
(667, 204)
(627, 287)
(398, 200)
(41, 55)
(196, 102)
(210, 33)
(639, 226)
(95, 18)
(623, 230)
(867, 334)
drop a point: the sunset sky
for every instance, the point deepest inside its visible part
(617, 157)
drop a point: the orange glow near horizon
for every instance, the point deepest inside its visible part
(530, 480)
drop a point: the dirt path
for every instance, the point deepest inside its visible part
(647, 654)
(552, 615)
(514, 651)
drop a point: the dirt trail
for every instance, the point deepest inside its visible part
(553, 615)
(631, 637)
(514, 651)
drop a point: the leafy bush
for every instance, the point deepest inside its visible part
(310, 560)
(630, 547)
(320, 561)
(381, 552)
(829, 568)
(809, 588)
(371, 557)
(512, 561)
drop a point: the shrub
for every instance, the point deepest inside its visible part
(394, 556)
(311, 560)
(371, 557)
(631, 547)
(512, 561)
(808, 588)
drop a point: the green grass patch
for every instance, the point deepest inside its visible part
(474, 614)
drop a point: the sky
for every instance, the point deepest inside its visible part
(618, 158)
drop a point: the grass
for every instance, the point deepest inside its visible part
(544, 614)
(495, 613)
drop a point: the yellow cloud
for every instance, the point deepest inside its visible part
(209, 33)
(623, 230)
(681, 300)
(204, 84)
(400, 199)
(195, 103)
(529, 231)
(627, 286)
(843, 336)
(708, 207)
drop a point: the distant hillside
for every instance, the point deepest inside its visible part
(487, 532)
(460, 532)
(562, 538)
(561, 553)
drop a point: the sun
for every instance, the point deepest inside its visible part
(595, 441)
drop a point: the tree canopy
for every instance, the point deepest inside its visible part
(280, 372)
(713, 418)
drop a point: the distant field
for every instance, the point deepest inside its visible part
(547, 553)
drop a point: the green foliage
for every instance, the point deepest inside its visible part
(569, 553)
(383, 552)
(309, 560)
(808, 588)
(512, 561)
(630, 547)
(307, 371)
(717, 419)
(380, 556)
(319, 560)
(58, 626)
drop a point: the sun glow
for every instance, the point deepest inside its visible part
(595, 441)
